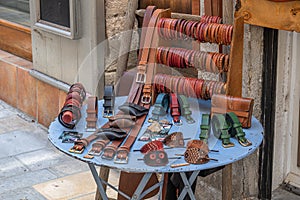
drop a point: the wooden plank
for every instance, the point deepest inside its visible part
(276, 15)
(208, 7)
(227, 182)
(235, 71)
(196, 7)
(217, 8)
(182, 6)
(298, 156)
(103, 174)
(15, 39)
(175, 15)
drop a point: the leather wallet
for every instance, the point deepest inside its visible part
(242, 107)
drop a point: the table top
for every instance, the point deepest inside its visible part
(224, 156)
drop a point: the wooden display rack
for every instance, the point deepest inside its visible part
(283, 15)
(234, 74)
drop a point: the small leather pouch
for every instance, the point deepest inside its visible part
(242, 107)
(133, 109)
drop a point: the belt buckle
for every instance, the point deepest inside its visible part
(94, 153)
(146, 98)
(140, 77)
(179, 123)
(121, 160)
(87, 129)
(107, 113)
(72, 150)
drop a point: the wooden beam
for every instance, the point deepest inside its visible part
(276, 15)
(141, 13)
(15, 39)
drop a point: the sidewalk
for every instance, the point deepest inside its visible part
(32, 169)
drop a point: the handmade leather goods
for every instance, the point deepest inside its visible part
(190, 87)
(109, 101)
(92, 113)
(160, 107)
(174, 140)
(156, 158)
(133, 109)
(152, 146)
(97, 147)
(220, 129)
(70, 113)
(205, 127)
(195, 156)
(175, 110)
(121, 123)
(242, 107)
(196, 152)
(185, 109)
(69, 136)
(200, 31)
(236, 129)
(156, 130)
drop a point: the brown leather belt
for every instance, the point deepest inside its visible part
(70, 113)
(92, 113)
(123, 151)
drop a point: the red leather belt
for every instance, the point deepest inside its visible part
(92, 113)
(175, 109)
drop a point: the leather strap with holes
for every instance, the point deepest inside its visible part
(92, 113)
(123, 151)
(174, 109)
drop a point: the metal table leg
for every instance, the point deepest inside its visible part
(188, 185)
(98, 181)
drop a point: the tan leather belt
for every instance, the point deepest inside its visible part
(92, 113)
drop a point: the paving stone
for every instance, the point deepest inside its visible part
(17, 142)
(281, 194)
(25, 180)
(69, 187)
(4, 113)
(11, 167)
(27, 193)
(13, 123)
(40, 159)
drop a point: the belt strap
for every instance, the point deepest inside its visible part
(236, 129)
(221, 129)
(122, 152)
(185, 109)
(160, 107)
(92, 113)
(174, 109)
(205, 128)
(109, 101)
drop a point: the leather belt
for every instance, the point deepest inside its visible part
(236, 129)
(122, 152)
(205, 128)
(70, 113)
(221, 129)
(92, 113)
(109, 101)
(185, 109)
(160, 107)
(174, 109)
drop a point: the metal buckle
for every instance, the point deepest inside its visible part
(90, 129)
(108, 113)
(140, 77)
(177, 123)
(94, 153)
(121, 160)
(72, 150)
(146, 98)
